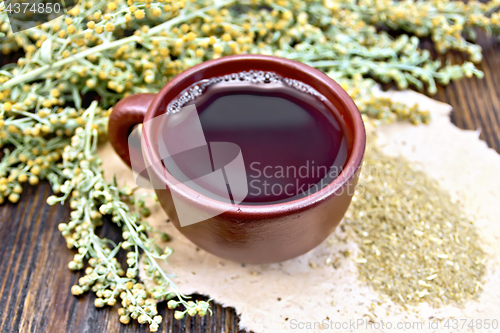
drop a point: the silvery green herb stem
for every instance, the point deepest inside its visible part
(36, 73)
(92, 194)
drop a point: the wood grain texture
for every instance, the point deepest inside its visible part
(35, 281)
(476, 102)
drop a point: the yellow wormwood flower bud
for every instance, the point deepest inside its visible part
(55, 92)
(99, 303)
(226, 37)
(2, 123)
(91, 83)
(91, 24)
(74, 11)
(76, 290)
(139, 14)
(68, 20)
(112, 6)
(142, 319)
(302, 18)
(80, 120)
(99, 30)
(71, 29)
(218, 49)
(110, 27)
(157, 12)
(35, 170)
(132, 9)
(178, 43)
(14, 197)
(287, 15)
(190, 36)
(7, 106)
(97, 15)
(22, 178)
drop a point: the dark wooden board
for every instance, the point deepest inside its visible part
(35, 281)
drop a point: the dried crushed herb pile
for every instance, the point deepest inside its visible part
(416, 244)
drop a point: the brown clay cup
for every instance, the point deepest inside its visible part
(260, 233)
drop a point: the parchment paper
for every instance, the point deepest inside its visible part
(322, 287)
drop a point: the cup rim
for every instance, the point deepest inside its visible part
(259, 62)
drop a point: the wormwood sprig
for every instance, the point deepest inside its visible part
(90, 198)
(448, 23)
(106, 50)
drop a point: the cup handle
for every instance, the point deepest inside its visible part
(126, 114)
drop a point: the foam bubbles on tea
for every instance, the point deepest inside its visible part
(291, 143)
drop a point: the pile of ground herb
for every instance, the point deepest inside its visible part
(416, 244)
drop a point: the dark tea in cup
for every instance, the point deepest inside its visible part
(291, 142)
